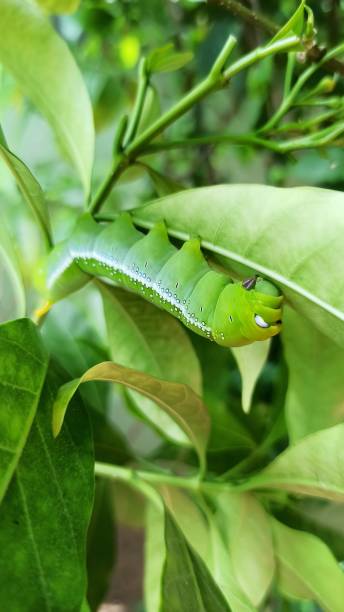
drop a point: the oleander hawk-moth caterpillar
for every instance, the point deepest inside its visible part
(177, 280)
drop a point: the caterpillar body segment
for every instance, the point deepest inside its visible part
(177, 280)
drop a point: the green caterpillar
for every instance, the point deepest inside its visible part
(178, 280)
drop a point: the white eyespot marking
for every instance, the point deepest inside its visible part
(230, 318)
(260, 321)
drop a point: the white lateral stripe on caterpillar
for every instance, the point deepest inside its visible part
(141, 278)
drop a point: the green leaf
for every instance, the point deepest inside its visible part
(12, 304)
(251, 360)
(23, 365)
(47, 73)
(166, 59)
(221, 568)
(250, 543)
(187, 585)
(258, 228)
(307, 569)
(177, 400)
(45, 513)
(190, 519)
(314, 466)
(205, 532)
(323, 519)
(59, 6)
(294, 25)
(30, 189)
(315, 392)
(145, 338)
(100, 544)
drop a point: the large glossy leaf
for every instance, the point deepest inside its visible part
(30, 189)
(45, 513)
(315, 393)
(292, 236)
(23, 365)
(314, 466)
(307, 569)
(177, 400)
(187, 585)
(250, 543)
(145, 338)
(12, 296)
(46, 72)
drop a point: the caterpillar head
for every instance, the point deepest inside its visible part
(247, 312)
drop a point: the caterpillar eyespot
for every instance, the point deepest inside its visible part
(177, 280)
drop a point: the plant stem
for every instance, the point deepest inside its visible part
(313, 54)
(289, 100)
(119, 165)
(212, 139)
(143, 82)
(217, 78)
(115, 472)
(213, 81)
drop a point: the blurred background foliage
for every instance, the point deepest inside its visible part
(107, 39)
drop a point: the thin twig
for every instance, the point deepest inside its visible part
(251, 17)
(314, 54)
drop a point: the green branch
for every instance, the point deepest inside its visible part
(288, 101)
(218, 77)
(313, 54)
(131, 476)
(143, 82)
